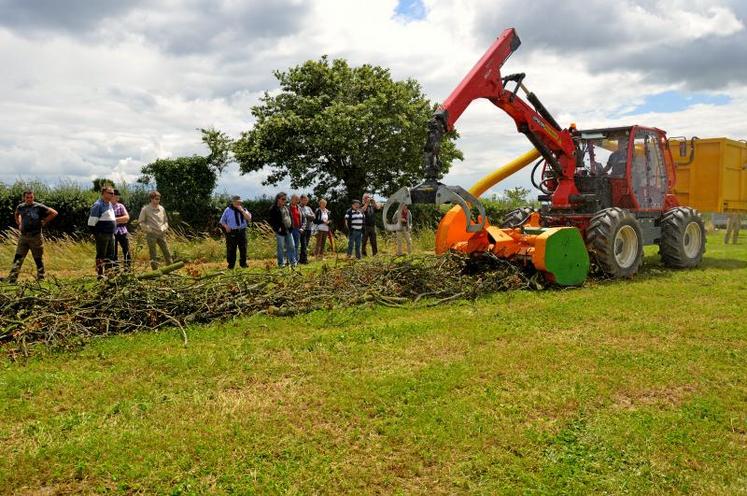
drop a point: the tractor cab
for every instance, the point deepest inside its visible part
(626, 167)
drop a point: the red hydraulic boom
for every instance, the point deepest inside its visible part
(534, 121)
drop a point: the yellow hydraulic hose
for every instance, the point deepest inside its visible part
(453, 225)
(503, 172)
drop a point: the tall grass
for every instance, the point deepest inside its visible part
(73, 256)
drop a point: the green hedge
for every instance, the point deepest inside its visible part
(73, 203)
(71, 200)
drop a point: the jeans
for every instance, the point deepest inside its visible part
(354, 238)
(369, 234)
(123, 241)
(236, 239)
(305, 239)
(296, 233)
(286, 249)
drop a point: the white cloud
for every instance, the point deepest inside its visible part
(106, 91)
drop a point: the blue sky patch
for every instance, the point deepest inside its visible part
(676, 101)
(411, 10)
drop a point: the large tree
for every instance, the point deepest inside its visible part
(341, 130)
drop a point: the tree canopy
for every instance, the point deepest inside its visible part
(341, 130)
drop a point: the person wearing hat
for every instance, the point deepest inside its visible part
(354, 223)
(122, 217)
(235, 220)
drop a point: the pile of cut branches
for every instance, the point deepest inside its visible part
(67, 314)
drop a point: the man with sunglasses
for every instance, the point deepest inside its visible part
(103, 222)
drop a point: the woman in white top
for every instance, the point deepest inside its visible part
(322, 220)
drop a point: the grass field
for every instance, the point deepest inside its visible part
(620, 387)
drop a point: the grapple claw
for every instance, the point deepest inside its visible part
(401, 197)
(435, 193)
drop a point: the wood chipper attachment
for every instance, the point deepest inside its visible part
(558, 252)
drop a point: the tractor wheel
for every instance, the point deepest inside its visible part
(615, 242)
(682, 238)
(516, 218)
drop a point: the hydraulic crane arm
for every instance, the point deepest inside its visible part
(485, 81)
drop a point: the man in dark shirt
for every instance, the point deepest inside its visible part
(31, 217)
(618, 159)
(369, 223)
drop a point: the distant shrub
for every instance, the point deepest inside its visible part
(71, 200)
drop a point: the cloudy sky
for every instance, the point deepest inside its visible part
(100, 88)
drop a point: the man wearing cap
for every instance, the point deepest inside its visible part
(354, 223)
(235, 220)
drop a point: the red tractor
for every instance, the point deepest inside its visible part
(613, 186)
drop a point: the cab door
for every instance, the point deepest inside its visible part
(647, 170)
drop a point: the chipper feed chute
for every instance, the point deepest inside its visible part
(453, 226)
(559, 252)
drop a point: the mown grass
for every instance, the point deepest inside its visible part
(620, 387)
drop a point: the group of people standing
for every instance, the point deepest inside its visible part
(294, 225)
(293, 222)
(108, 220)
(360, 220)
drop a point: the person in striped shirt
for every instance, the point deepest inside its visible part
(354, 223)
(103, 223)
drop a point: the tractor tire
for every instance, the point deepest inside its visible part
(614, 241)
(516, 218)
(682, 238)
